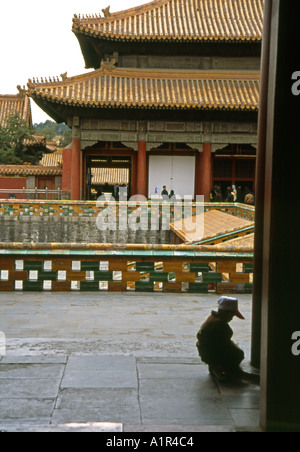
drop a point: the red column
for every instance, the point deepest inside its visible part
(206, 171)
(141, 185)
(75, 170)
(198, 187)
(66, 176)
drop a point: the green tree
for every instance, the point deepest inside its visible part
(17, 144)
(47, 128)
(51, 129)
(66, 138)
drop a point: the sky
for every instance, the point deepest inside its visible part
(36, 40)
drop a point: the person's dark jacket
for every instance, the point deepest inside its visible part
(214, 343)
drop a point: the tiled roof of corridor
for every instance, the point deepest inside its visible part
(179, 20)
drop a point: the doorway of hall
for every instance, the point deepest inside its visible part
(105, 175)
(234, 165)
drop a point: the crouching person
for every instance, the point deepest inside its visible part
(215, 345)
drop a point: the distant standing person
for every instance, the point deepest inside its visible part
(218, 192)
(172, 196)
(164, 191)
(240, 197)
(229, 197)
(234, 192)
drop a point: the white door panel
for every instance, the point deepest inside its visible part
(176, 172)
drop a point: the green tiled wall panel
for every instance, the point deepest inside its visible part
(144, 266)
(47, 276)
(212, 277)
(248, 268)
(89, 286)
(159, 276)
(144, 286)
(103, 276)
(32, 286)
(89, 266)
(198, 288)
(33, 265)
(198, 267)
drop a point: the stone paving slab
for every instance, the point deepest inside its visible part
(30, 371)
(14, 388)
(100, 372)
(26, 409)
(95, 389)
(97, 405)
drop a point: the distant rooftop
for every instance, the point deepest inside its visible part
(15, 103)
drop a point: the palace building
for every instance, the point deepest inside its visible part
(171, 99)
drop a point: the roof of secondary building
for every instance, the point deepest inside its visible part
(52, 159)
(160, 89)
(50, 165)
(29, 170)
(15, 103)
(178, 20)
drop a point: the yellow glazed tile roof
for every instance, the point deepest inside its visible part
(50, 165)
(141, 88)
(29, 170)
(110, 176)
(244, 241)
(10, 104)
(54, 159)
(180, 20)
(215, 223)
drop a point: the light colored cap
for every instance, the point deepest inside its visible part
(230, 304)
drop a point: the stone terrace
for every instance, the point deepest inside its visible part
(117, 362)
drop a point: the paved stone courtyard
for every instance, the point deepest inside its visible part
(118, 362)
